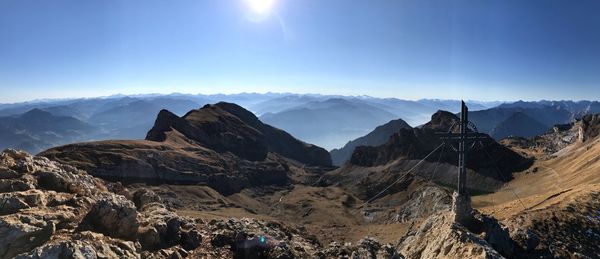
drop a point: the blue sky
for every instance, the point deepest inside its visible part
(479, 49)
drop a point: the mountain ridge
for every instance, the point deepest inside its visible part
(211, 146)
(374, 138)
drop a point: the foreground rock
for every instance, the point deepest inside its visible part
(250, 238)
(66, 213)
(440, 237)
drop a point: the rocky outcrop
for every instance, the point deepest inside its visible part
(84, 245)
(67, 213)
(114, 216)
(559, 136)
(251, 238)
(440, 237)
(417, 143)
(424, 202)
(590, 126)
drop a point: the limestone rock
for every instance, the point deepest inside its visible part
(22, 233)
(426, 201)
(14, 185)
(14, 201)
(162, 228)
(143, 197)
(6, 173)
(84, 245)
(440, 237)
(114, 216)
(367, 248)
(66, 213)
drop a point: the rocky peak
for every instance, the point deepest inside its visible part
(36, 114)
(441, 121)
(214, 128)
(590, 126)
(227, 127)
(239, 112)
(164, 122)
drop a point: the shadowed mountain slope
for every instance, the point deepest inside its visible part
(558, 196)
(378, 136)
(518, 124)
(370, 169)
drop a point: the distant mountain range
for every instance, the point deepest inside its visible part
(326, 120)
(330, 121)
(37, 130)
(527, 119)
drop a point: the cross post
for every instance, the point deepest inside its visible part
(461, 200)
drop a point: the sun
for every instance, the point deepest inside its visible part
(261, 7)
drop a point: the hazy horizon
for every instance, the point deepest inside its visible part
(116, 95)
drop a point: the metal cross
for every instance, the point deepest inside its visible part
(462, 138)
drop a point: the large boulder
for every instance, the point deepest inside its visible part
(114, 216)
(162, 228)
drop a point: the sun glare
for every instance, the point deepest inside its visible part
(261, 7)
